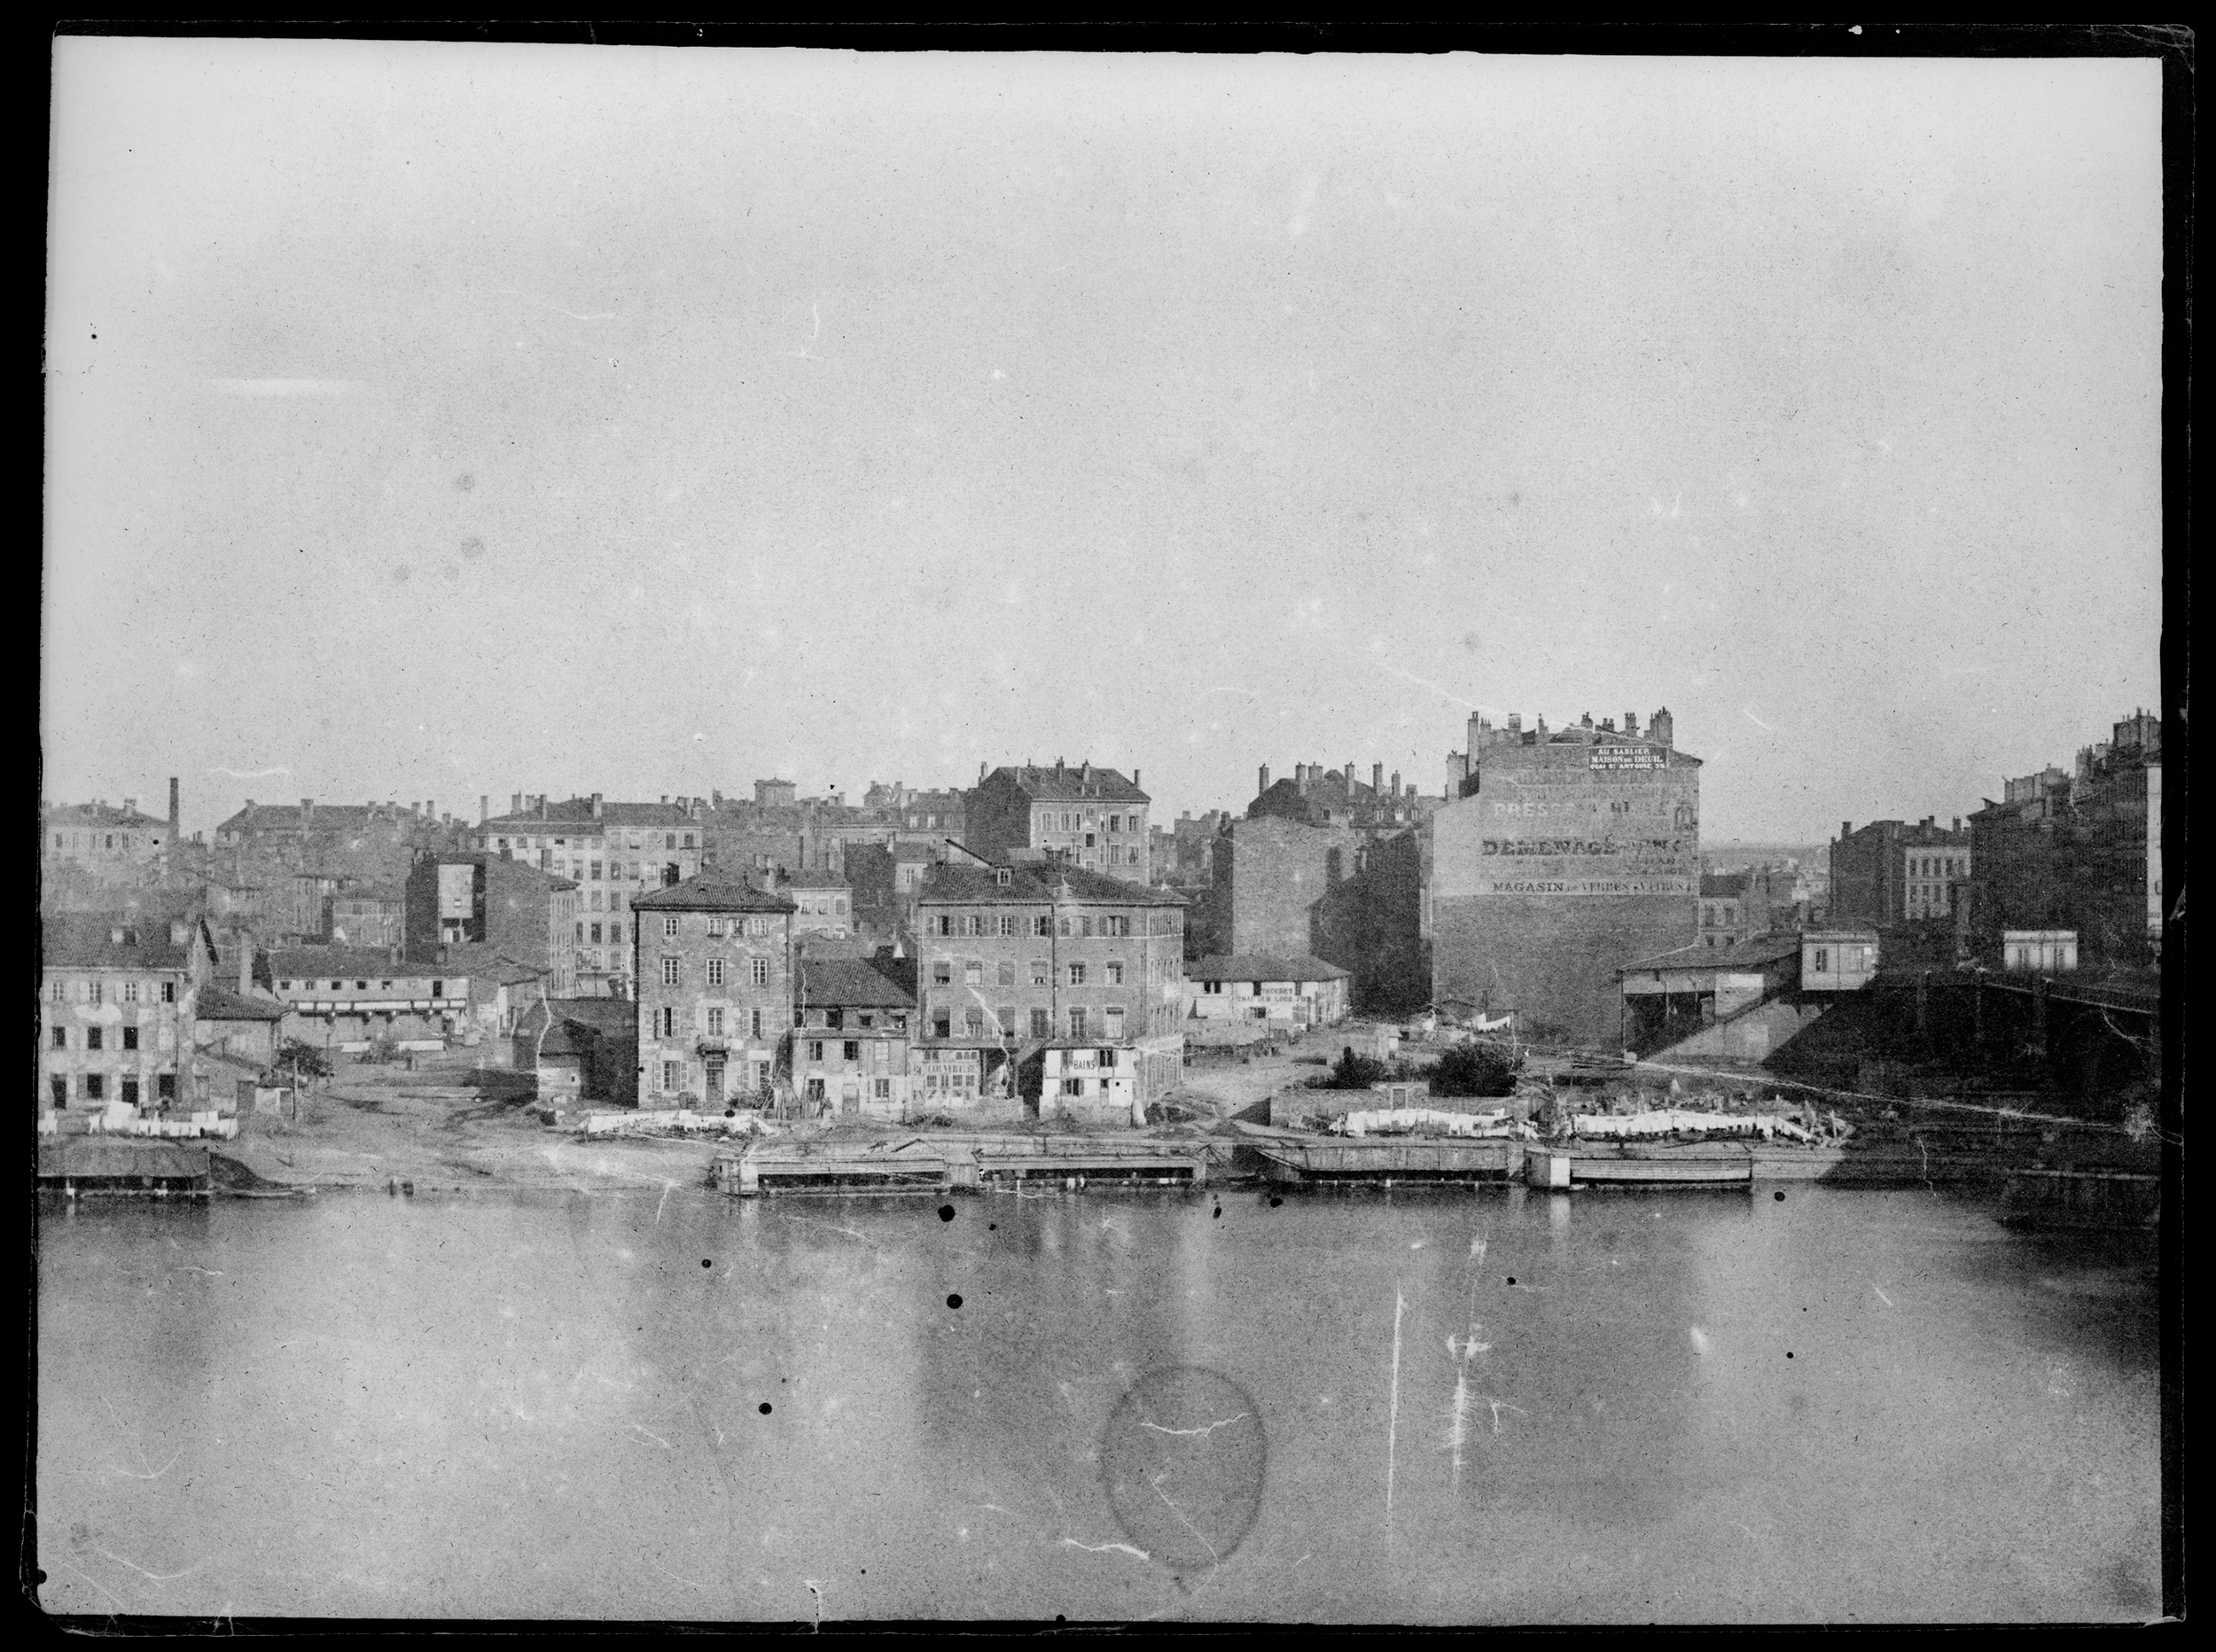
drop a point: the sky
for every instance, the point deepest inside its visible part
(431, 421)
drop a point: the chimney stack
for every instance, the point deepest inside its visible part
(1846, 831)
(1661, 731)
(431, 808)
(1377, 779)
(1135, 777)
(173, 808)
(1958, 822)
(541, 806)
(1396, 783)
(1515, 722)
(1631, 724)
(596, 805)
(484, 807)
(515, 806)
(665, 800)
(1262, 784)
(130, 805)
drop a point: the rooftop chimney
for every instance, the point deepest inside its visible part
(665, 800)
(1631, 724)
(1846, 829)
(484, 807)
(596, 805)
(1515, 722)
(1585, 721)
(1262, 784)
(130, 805)
(1135, 777)
(1377, 779)
(541, 806)
(1396, 783)
(173, 808)
(431, 808)
(515, 806)
(1958, 822)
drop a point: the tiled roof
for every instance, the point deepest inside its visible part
(86, 940)
(325, 817)
(478, 962)
(97, 814)
(1035, 882)
(816, 880)
(292, 962)
(1722, 885)
(844, 982)
(576, 812)
(1748, 953)
(217, 1003)
(1073, 783)
(1258, 966)
(712, 892)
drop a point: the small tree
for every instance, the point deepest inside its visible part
(1474, 1069)
(304, 1062)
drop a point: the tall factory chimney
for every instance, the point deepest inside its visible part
(173, 808)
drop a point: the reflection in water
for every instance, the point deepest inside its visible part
(1617, 1407)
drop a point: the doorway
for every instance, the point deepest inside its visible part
(715, 1083)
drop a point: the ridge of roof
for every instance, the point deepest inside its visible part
(712, 892)
(1037, 881)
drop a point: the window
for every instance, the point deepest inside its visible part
(884, 1090)
(130, 1092)
(95, 1087)
(1115, 974)
(1077, 975)
(580, 936)
(165, 1087)
(1073, 1086)
(850, 1049)
(1823, 964)
(669, 971)
(1042, 926)
(941, 973)
(715, 973)
(669, 1022)
(595, 934)
(762, 973)
(1007, 973)
(816, 1049)
(715, 1024)
(130, 1038)
(61, 1093)
(716, 928)
(1041, 1024)
(1062, 927)
(1115, 1021)
(688, 843)
(1077, 1024)
(92, 1037)
(944, 924)
(1008, 926)
(670, 1074)
(1039, 973)
(973, 1023)
(1085, 926)
(972, 973)
(95, 991)
(754, 1024)
(62, 1037)
(60, 991)
(438, 989)
(838, 907)
(130, 992)
(669, 926)
(941, 1024)
(669, 840)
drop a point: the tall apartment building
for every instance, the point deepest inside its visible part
(2080, 849)
(483, 899)
(714, 967)
(614, 853)
(117, 1004)
(1348, 895)
(853, 1037)
(1891, 872)
(1020, 959)
(1092, 818)
(1560, 859)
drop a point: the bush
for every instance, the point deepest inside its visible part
(1355, 1073)
(1474, 1069)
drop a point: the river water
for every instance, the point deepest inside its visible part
(1422, 1407)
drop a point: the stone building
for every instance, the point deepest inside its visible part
(108, 843)
(1890, 872)
(479, 898)
(1348, 895)
(823, 904)
(614, 853)
(1562, 859)
(1093, 818)
(118, 1000)
(715, 986)
(853, 1039)
(1017, 958)
(350, 997)
(2080, 851)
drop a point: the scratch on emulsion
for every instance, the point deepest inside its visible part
(1393, 1416)
(1106, 1548)
(1204, 1431)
